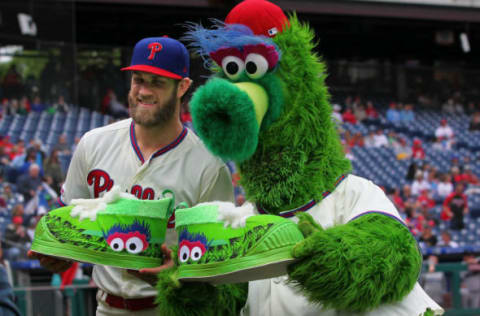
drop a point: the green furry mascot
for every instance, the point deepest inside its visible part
(267, 108)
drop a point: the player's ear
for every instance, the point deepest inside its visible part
(183, 86)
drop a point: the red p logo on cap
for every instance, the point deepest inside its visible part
(154, 48)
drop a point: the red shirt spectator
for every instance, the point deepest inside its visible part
(469, 177)
(371, 111)
(349, 117)
(417, 150)
(425, 199)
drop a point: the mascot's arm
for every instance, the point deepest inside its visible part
(177, 298)
(357, 266)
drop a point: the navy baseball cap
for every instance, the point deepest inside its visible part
(161, 56)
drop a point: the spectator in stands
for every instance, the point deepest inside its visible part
(3, 106)
(475, 122)
(360, 113)
(21, 163)
(29, 183)
(471, 282)
(407, 196)
(11, 108)
(11, 198)
(428, 238)
(380, 140)
(456, 206)
(60, 106)
(37, 105)
(12, 83)
(407, 115)
(457, 176)
(471, 109)
(397, 200)
(444, 187)
(24, 106)
(468, 176)
(370, 139)
(432, 179)
(4, 161)
(349, 117)
(336, 113)
(425, 199)
(417, 150)
(393, 115)
(449, 106)
(446, 240)
(53, 171)
(371, 112)
(455, 161)
(402, 150)
(40, 152)
(359, 139)
(419, 184)
(16, 239)
(444, 134)
(62, 146)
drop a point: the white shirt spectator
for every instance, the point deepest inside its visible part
(419, 185)
(444, 189)
(444, 132)
(380, 139)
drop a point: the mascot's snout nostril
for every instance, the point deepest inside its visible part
(221, 116)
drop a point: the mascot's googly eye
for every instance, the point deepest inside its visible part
(117, 244)
(134, 245)
(233, 67)
(184, 254)
(196, 253)
(256, 65)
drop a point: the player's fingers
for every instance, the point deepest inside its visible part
(167, 253)
(156, 270)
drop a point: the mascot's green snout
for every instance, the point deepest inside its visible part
(232, 109)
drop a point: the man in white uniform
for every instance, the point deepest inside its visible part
(145, 155)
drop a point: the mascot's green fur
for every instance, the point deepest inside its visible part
(292, 156)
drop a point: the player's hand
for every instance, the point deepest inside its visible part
(52, 264)
(149, 275)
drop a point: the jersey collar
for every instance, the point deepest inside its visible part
(305, 207)
(159, 152)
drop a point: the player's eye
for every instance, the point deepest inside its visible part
(196, 253)
(117, 244)
(183, 254)
(256, 65)
(134, 245)
(233, 67)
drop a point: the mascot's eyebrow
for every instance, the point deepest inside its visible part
(205, 41)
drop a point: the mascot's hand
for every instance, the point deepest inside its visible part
(308, 227)
(357, 266)
(176, 298)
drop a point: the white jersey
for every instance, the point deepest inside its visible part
(353, 197)
(110, 155)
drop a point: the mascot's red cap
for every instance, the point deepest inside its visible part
(262, 17)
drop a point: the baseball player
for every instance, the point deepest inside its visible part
(144, 155)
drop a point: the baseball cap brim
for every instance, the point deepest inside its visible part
(153, 70)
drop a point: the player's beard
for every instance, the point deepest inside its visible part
(157, 116)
